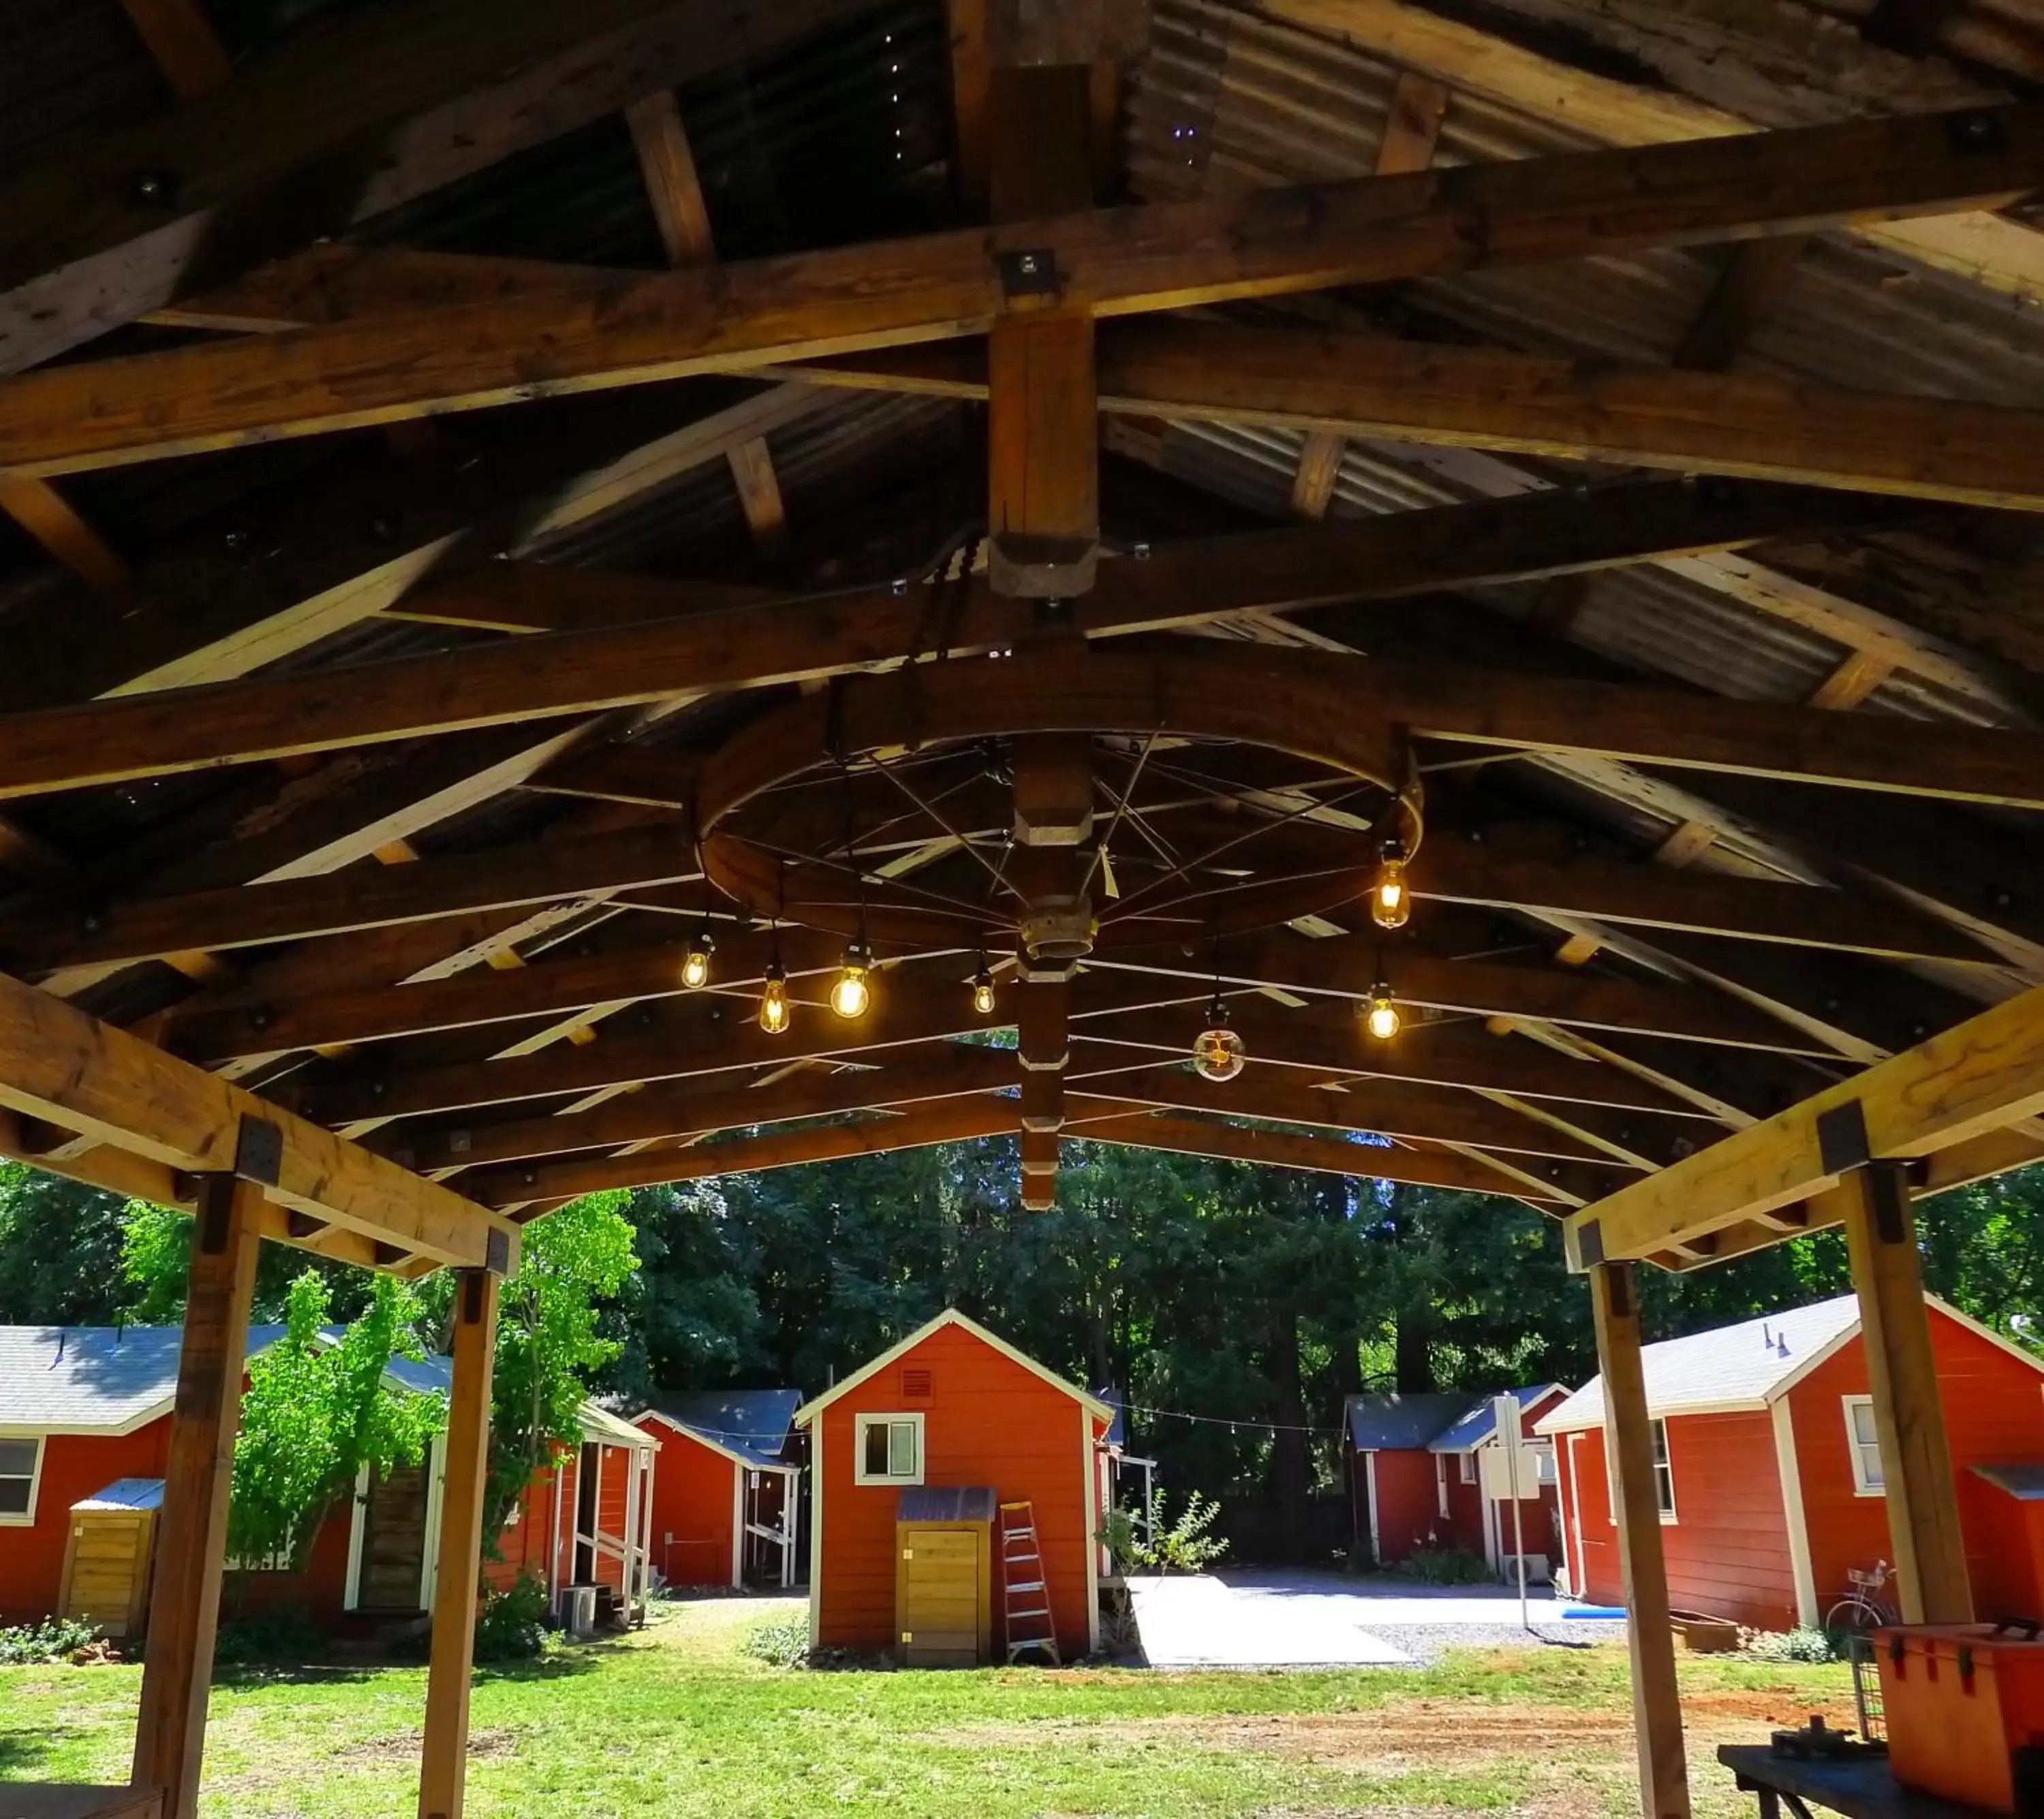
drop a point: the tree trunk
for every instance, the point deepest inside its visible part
(1288, 1454)
(1414, 1361)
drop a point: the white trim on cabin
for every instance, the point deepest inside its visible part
(1580, 1585)
(429, 1567)
(817, 1537)
(1856, 1449)
(1369, 1485)
(351, 1591)
(1089, 1502)
(738, 1482)
(865, 1422)
(698, 1436)
(950, 1317)
(1787, 1468)
(1441, 1484)
(38, 1438)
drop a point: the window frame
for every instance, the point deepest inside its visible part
(26, 1518)
(1466, 1471)
(862, 1423)
(1855, 1448)
(1441, 1484)
(1664, 1472)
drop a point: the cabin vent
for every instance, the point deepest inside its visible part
(917, 1386)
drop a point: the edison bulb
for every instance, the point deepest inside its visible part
(695, 963)
(851, 994)
(773, 1001)
(1390, 901)
(982, 992)
(1382, 1019)
(1219, 1054)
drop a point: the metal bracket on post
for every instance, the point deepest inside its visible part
(497, 1253)
(1842, 1143)
(1584, 1245)
(259, 1152)
(1028, 271)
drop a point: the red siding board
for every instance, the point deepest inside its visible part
(73, 1467)
(988, 1420)
(692, 1488)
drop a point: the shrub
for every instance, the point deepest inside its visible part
(1808, 1646)
(784, 1643)
(1447, 1566)
(512, 1625)
(55, 1639)
(1182, 1546)
(286, 1634)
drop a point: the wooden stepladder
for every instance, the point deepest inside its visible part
(1025, 1590)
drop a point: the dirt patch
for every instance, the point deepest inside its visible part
(405, 1746)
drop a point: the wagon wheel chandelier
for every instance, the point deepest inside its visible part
(1004, 810)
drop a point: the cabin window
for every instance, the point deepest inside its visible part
(1663, 1473)
(1465, 1467)
(890, 1450)
(1866, 1444)
(20, 1464)
(1544, 1469)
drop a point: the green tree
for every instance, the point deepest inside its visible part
(59, 1249)
(549, 1339)
(317, 1410)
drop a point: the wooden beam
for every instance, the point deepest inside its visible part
(58, 1064)
(444, 1768)
(1292, 1149)
(1754, 278)
(952, 1123)
(1454, 869)
(587, 671)
(908, 1076)
(182, 40)
(611, 329)
(191, 1534)
(54, 522)
(1657, 1706)
(1359, 385)
(291, 909)
(335, 123)
(1922, 1498)
(1983, 1075)
(1625, 110)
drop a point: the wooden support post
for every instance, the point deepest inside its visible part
(191, 1546)
(1656, 1711)
(443, 1773)
(1908, 1417)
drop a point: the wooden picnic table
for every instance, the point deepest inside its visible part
(1861, 1787)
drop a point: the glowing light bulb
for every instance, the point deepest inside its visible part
(1218, 1053)
(1390, 901)
(773, 1001)
(982, 992)
(850, 995)
(695, 962)
(1382, 1020)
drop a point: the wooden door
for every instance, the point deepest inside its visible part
(942, 1597)
(393, 1541)
(107, 1568)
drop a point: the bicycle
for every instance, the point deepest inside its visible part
(1862, 1609)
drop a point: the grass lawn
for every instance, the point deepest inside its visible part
(678, 1721)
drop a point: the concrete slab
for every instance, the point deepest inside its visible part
(1196, 1619)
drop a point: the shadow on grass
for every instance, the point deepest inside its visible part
(21, 1752)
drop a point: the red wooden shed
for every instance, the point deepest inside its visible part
(728, 1500)
(85, 1408)
(1425, 1470)
(1769, 1476)
(952, 1405)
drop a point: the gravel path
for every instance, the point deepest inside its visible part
(1428, 1642)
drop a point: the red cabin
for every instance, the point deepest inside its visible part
(726, 1504)
(86, 1409)
(1769, 1476)
(952, 1407)
(1428, 1470)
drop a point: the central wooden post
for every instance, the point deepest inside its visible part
(1932, 1585)
(1657, 1709)
(191, 1548)
(442, 1776)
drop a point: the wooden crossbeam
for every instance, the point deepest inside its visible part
(610, 331)
(633, 664)
(1962, 1085)
(61, 1065)
(333, 124)
(1292, 1149)
(365, 897)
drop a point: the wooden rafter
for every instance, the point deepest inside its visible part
(609, 331)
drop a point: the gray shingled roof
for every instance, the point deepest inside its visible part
(1481, 1422)
(94, 1379)
(1387, 1421)
(755, 1424)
